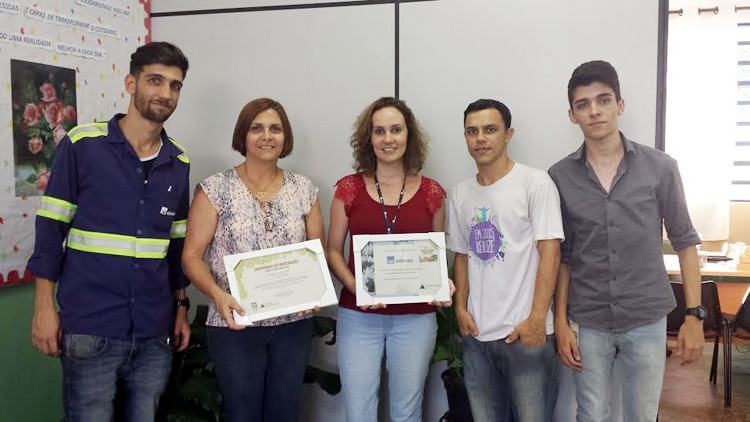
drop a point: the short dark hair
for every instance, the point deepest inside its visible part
(484, 104)
(365, 160)
(594, 71)
(158, 52)
(248, 114)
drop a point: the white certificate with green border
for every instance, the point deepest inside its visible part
(400, 268)
(279, 281)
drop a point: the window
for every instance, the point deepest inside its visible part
(703, 121)
(740, 174)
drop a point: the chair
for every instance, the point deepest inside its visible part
(740, 325)
(741, 322)
(715, 326)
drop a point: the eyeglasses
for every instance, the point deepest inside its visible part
(267, 220)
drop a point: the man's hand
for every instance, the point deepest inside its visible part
(181, 329)
(466, 323)
(531, 331)
(45, 331)
(225, 304)
(567, 346)
(690, 340)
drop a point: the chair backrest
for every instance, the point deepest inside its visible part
(743, 314)
(709, 299)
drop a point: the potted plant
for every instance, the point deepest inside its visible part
(192, 393)
(330, 382)
(448, 349)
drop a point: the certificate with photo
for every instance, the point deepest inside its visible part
(400, 268)
(279, 281)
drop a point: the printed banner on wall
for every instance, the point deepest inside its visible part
(62, 62)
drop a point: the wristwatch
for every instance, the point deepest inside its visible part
(698, 312)
(185, 301)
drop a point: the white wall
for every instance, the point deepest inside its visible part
(522, 53)
(325, 65)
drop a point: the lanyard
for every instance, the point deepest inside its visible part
(390, 226)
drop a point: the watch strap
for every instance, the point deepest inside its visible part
(183, 302)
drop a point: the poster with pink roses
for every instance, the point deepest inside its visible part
(44, 109)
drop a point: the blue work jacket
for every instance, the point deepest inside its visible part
(110, 237)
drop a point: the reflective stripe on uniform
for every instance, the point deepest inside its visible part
(57, 209)
(182, 157)
(179, 227)
(117, 244)
(87, 130)
(177, 144)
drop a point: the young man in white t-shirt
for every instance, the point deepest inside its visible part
(505, 227)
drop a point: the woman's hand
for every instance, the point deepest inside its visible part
(308, 312)
(373, 307)
(448, 303)
(225, 304)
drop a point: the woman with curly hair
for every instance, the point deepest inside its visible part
(387, 194)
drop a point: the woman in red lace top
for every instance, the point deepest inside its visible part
(387, 194)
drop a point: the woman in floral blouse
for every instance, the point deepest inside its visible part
(254, 205)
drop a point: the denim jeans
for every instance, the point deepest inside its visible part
(638, 354)
(97, 369)
(406, 341)
(260, 370)
(507, 382)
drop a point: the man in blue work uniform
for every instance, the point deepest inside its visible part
(109, 233)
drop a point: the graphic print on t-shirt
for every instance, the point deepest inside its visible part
(486, 241)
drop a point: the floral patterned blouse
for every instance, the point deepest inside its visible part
(245, 224)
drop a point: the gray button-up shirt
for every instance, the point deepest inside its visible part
(613, 240)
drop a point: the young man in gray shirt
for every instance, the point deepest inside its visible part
(616, 195)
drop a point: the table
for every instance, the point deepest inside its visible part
(730, 292)
(711, 269)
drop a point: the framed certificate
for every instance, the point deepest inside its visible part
(279, 281)
(400, 268)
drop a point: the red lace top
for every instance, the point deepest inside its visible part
(366, 217)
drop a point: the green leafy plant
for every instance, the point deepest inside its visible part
(448, 342)
(448, 348)
(192, 393)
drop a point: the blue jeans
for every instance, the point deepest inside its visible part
(508, 382)
(406, 341)
(96, 369)
(260, 370)
(638, 354)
